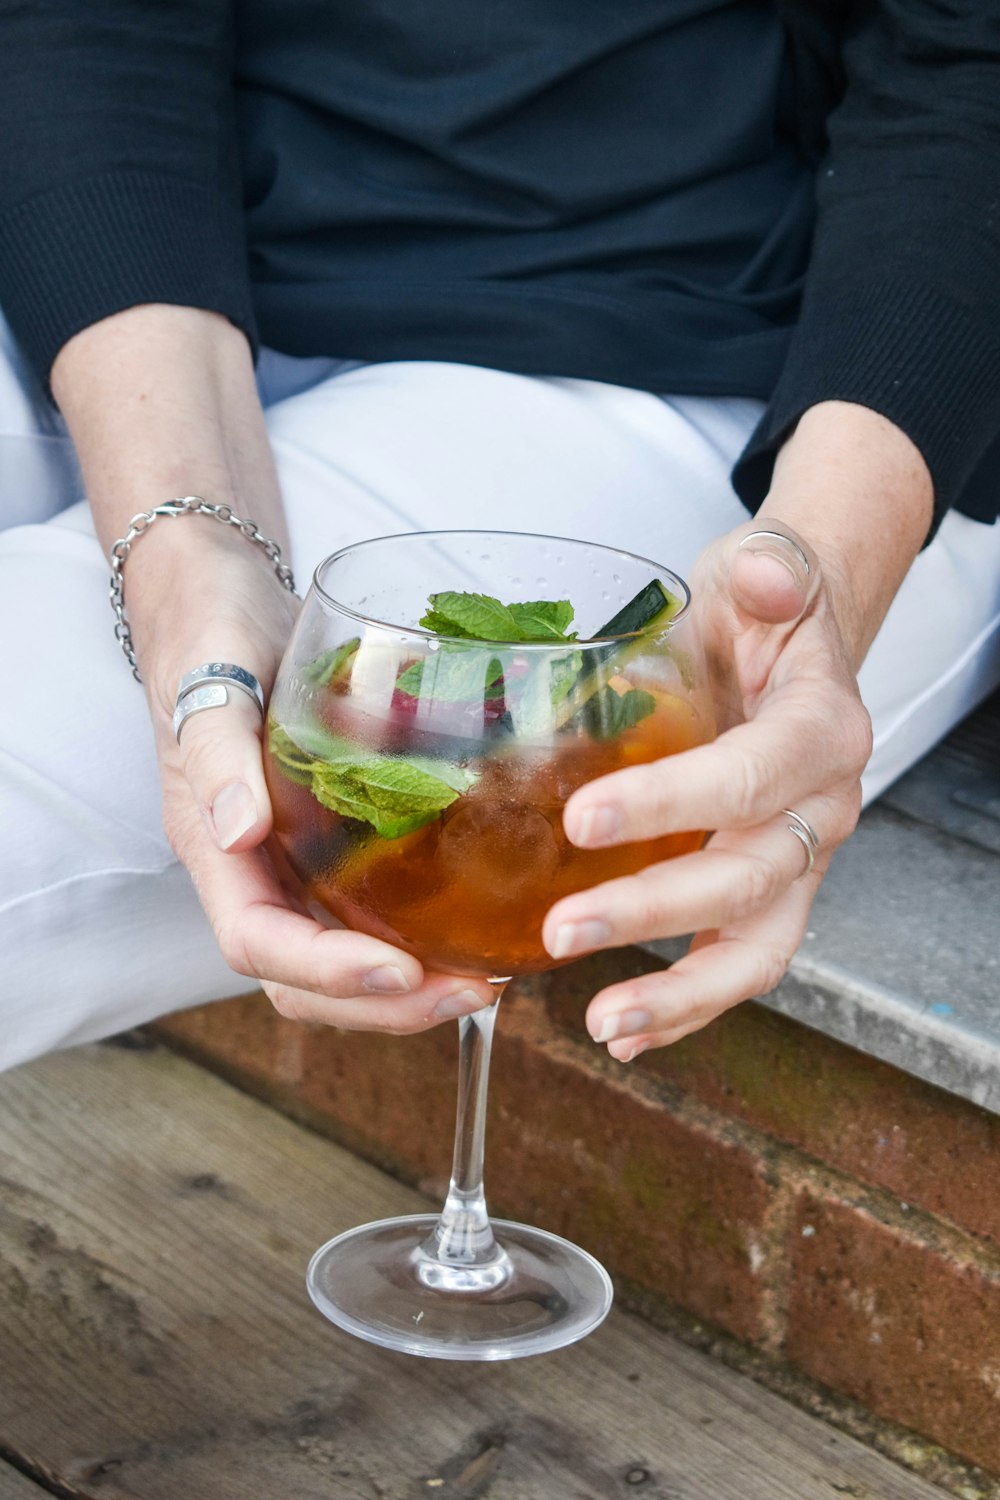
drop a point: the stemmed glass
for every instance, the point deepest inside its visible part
(419, 773)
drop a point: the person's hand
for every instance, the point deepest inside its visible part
(217, 815)
(160, 401)
(794, 736)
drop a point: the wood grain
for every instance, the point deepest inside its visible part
(14, 1486)
(157, 1342)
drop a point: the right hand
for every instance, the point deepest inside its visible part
(217, 816)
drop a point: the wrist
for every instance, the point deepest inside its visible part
(857, 489)
(160, 401)
(196, 589)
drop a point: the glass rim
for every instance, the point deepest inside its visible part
(671, 578)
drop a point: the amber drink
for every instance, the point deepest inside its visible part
(467, 891)
(442, 698)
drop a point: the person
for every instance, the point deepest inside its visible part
(540, 266)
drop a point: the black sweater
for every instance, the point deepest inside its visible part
(796, 201)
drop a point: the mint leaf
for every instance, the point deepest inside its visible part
(608, 713)
(392, 826)
(394, 795)
(634, 705)
(402, 788)
(453, 675)
(478, 617)
(294, 764)
(544, 698)
(563, 676)
(342, 794)
(441, 624)
(543, 619)
(321, 671)
(459, 778)
(309, 738)
(409, 681)
(315, 739)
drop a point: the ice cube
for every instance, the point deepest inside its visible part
(498, 850)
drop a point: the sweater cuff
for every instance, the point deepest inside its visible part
(95, 246)
(918, 358)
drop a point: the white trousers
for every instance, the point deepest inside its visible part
(100, 928)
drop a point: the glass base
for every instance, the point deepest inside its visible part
(379, 1283)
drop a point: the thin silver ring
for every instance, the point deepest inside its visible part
(806, 835)
(781, 537)
(226, 671)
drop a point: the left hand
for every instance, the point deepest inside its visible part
(795, 735)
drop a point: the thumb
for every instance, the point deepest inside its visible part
(221, 761)
(773, 573)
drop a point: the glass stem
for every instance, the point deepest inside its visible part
(462, 1237)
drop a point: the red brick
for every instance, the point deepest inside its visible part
(245, 1037)
(394, 1095)
(898, 1324)
(658, 1200)
(862, 1116)
(572, 1145)
(567, 1149)
(663, 1191)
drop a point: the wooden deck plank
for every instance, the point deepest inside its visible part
(14, 1486)
(158, 1343)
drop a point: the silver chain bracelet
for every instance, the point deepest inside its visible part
(186, 505)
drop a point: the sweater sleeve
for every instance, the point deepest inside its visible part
(901, 311)
(119, 179)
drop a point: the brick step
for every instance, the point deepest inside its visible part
(835, 1214)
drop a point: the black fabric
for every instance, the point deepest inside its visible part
(902, 305)
(596, 190)
(624, 193)
(119, 165)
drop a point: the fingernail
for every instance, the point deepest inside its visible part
(386, 980)
(639, 1047)
(461, 1003)
(598, 825)
(623, 1023)
(233, 812)
(579, 937)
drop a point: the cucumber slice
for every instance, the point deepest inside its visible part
(652, 609)
(653, 605)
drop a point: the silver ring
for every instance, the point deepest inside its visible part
(781, 537)
(196, 700)
(224, 671)
(806, 835)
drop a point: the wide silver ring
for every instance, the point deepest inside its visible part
(806, 835)
(196, 700)
(221, 671)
